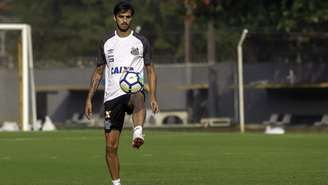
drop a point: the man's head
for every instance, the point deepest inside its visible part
(123, 13)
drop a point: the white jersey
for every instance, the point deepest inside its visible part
(119, 54)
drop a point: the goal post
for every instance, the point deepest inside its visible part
(27, 86)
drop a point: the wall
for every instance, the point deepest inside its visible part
(62, 92)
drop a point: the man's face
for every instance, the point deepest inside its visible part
(123, 20)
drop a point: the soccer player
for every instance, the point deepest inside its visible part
(122, 50)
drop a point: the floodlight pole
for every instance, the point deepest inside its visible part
(241, 81)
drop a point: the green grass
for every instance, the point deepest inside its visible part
(167, 158)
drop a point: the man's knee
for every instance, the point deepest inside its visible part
(111, 145)
(111, 148)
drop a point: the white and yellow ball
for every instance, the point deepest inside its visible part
(131, 82)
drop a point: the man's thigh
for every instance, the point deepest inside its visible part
(137, 102)
(114, 113)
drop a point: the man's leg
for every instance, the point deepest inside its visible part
(138, 117)
(113, 164)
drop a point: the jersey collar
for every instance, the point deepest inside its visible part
(131, 33)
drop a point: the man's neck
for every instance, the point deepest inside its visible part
(123, 33)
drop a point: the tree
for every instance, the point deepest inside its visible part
(66, 29)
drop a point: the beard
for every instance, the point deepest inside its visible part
(123, 27)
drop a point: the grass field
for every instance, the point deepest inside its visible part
(167, 158)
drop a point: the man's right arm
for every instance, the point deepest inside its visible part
(94, 83)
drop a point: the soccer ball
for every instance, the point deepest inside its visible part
(131, 82)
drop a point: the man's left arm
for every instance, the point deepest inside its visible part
(152, 81)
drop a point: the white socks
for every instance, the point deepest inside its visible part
(137, 132)
(138, 128)
(117, 182)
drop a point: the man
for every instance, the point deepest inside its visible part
(123, 49)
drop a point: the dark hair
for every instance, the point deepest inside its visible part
(123, 6)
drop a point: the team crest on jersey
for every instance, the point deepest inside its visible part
(135, 51)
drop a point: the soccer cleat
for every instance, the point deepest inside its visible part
(138, 137)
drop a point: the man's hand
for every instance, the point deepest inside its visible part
(154, 105)
(88, 109)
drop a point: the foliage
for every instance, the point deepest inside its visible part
(278, 15)
(65, 29)
(68, 29)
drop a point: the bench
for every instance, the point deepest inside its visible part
(278, 120)
(216, 122)
(161, 116)
(323, 121)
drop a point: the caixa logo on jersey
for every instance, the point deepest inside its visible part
(120, 69)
